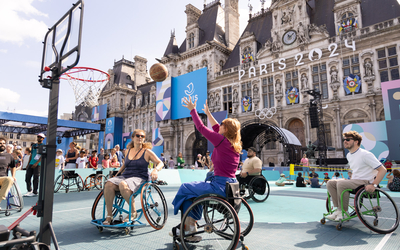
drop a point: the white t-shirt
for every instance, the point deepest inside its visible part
(252, 163)
(81, 162)
(59, 161)
(364, 165)
(25, 161)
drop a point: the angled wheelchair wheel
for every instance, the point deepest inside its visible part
(154, 205)
(377, 210)
(58, 183)
(79, 184)
(88, 184)
(246, 218)
(98, 205)
(259, 189)
(14, 198)
(218, 226)
(100, 181)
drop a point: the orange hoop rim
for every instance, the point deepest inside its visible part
(76, 70)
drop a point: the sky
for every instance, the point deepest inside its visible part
(111, 30)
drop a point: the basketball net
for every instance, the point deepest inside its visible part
(87, 84)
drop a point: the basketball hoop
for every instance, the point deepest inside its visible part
(87, 84)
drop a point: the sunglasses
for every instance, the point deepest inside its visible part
(140, 136)
(348, 139)
(222, 123)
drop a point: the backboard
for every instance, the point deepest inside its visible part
(62, 43)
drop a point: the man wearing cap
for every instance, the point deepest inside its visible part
(6, 161)
(33, 168)
(252, 166)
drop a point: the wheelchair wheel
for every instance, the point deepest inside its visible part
(15, 200)
(219, 227)
(377, 210)
(79, 183)
(259, 189)
(154, 205)
(88, 184)
(246, 218)
(98, 205)
(58, 183)
(351, 209)
(100, 181)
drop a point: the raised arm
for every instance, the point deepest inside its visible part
(209, 115)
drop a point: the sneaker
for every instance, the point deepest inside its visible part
(177, 233)
(341, 216)
(334, 215)
(28, 194)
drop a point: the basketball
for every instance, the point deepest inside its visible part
(158, 72)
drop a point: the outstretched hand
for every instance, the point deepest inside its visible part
(189, 104)
(205, 109)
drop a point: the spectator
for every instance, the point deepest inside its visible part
(114, 162)
(120, 155)
(17, 155)
(305, 163)
(60, 161)
(171, 163)
(388, 165)
(113, 153)
(82, 160)
(100, 158)
(199, 162)
(71, 156)
(180, 160)
(315, 182)
(105, 163)
(349, 174)
(207, 160)
(6, 162)
(93, 160)
(336, 176)
(281, 180)
(9, 149)
(300, 182)
(25, 159)
(326, 179)
(33, 168)
(394, 181)
(164, 161)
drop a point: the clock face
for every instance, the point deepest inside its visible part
(289, 37)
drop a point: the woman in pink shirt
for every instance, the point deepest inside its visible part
(106, 162)
(227, 146)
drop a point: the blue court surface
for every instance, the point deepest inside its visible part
(288, 219)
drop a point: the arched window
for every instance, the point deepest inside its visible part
(347, 23)
(247, 55)
(190, 68)
(191, 40)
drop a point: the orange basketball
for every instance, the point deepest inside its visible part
(158, 72)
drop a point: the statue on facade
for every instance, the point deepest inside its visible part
(217, 100)
(368, 68)
(302, 34)
(287, 15)
(276, 44)
(139, 103)
(334, 75)
(235, 96)
(304, 81)
(278, 87)
(268, 45)
(255, 91)
(153, 98)
(310, 150)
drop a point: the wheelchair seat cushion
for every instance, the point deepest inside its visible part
(70, 174)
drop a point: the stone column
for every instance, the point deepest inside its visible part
(338, 127)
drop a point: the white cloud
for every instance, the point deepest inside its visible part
(43, 113)
(7, 96)
(15, 27)
(4, 51)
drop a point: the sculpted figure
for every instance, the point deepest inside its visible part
(278, 87)
(304, 81)
(368, 68)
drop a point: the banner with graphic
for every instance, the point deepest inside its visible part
(246, 104)
(99, 113)
(391, 99)
(193, 84)
(113, 132)
(347, 25)
(126, 139)
(292, 95)
(352, 84)
(158, 142)
(163, 100)
(101, 141)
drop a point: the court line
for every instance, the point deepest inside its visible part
(383, 241)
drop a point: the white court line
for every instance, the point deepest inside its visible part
(54, 212)
(383, 242)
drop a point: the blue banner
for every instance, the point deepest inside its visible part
(99, 113)
(163, 100)
(113, 132)
(101, 141)
(193, 84)
(158, 142)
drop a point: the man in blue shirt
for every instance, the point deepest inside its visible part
(33, 169)
(120, 155)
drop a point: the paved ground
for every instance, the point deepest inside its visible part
(289, 219)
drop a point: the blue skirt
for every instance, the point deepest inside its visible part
(191, 190)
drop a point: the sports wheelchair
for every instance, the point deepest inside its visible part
(14, 200)
(224, 221)
(376, 210)
(257, 189)
(154, 208)
(95, 181)
(67, 180)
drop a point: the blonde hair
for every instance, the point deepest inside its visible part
(114, 158)
(145, 145)
(233, 133)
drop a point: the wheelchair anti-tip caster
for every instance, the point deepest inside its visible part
(127, 230)
(339, 226)
(323, 221)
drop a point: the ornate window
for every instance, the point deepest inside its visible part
(388, 64)
(351, 74)
(292, 79)
(246, 89)
(191, 40)
(190, 68)
(247, 55)
(227, 98)
(268, 92)
(144, 126)
(11, 136)
(319, 76)
(347, 23)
